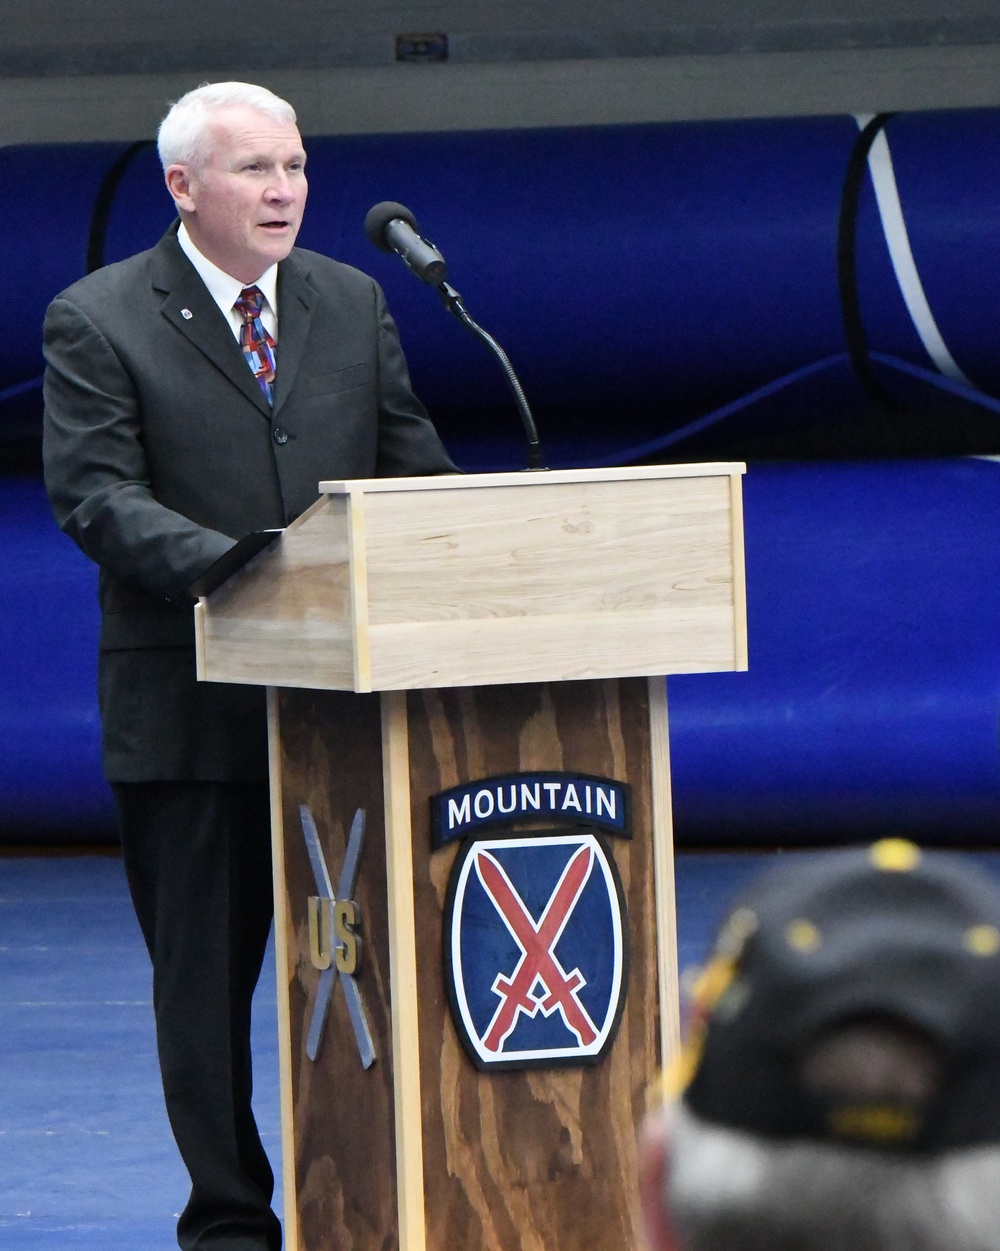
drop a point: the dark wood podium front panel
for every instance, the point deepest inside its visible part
(505, 1161)
(344, 1177)
(544, 1158)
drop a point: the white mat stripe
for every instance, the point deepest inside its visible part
(901, 254)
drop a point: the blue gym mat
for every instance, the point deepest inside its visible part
(86, 1156)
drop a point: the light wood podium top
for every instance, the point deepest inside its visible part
(525, 477)
(477, 579)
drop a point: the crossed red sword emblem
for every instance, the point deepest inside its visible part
(537, 940)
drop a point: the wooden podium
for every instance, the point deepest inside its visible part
(432, 645)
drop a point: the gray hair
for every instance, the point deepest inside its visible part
(731, 1191)
(183, 135)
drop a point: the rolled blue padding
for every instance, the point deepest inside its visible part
(49, 251)
(871, 706)
(638, 276)
(947, 173)
(50, 772)
(625, 270)
(872, 701)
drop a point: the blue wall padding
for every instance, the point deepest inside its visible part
(655, 286)
(872, 703)
(50, 774)
(635, 274)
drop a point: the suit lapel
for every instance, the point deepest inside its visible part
(188, 306)
(296, 300)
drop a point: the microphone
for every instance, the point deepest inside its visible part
(393, 228)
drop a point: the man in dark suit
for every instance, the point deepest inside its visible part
(194, 393)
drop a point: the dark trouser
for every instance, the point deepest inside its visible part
(197, 856)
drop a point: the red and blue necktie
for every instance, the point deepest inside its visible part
(258, 346)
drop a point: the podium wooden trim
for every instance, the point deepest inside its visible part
(663, 862)
(422, 633)
(408, 583)
(403, 972)
(282, 961)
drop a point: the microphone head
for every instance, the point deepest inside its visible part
(380, 215)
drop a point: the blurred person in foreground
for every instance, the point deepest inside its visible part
(839, 1088)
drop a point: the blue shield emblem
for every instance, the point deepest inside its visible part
(536, 949)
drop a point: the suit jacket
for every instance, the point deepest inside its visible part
(160, 450)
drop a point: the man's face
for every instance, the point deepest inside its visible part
(243, 207)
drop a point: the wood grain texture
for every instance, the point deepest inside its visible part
(563, 649)
(541, 1159)
(739, 574)
(360, 636)
(199, 640)
(508, 551)
(550, 581)
(288, 617)
(283, 940)
(344, 1173)
(663, 873)
(407, 583)
(403, 969)
(517, 477)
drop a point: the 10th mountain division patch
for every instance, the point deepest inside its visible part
(536, 949)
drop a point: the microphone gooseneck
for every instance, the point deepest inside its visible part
(391, 227)
(453, 303)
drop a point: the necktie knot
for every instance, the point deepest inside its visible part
(250, 302)
(258, 346)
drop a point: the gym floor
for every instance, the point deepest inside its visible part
(86, 1156)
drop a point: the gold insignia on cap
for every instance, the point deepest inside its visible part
(880, 1123)
(982, 940)
(680, 1070)
(894, 855)
(802, 935)
(711, 981)
(705, 986)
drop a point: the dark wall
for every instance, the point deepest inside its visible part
(144, 36)
(106, 70)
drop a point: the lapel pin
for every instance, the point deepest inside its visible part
(186, 314)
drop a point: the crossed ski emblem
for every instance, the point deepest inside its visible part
(329, 977)
(538, 962)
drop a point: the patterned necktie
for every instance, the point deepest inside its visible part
(258, 346)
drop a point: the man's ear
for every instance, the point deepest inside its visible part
(178, 179)
(654, 1162)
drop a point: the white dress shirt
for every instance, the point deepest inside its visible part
(225, 290)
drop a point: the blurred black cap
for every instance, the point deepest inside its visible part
(886, 939)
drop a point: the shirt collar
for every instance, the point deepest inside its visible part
(222, 287)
